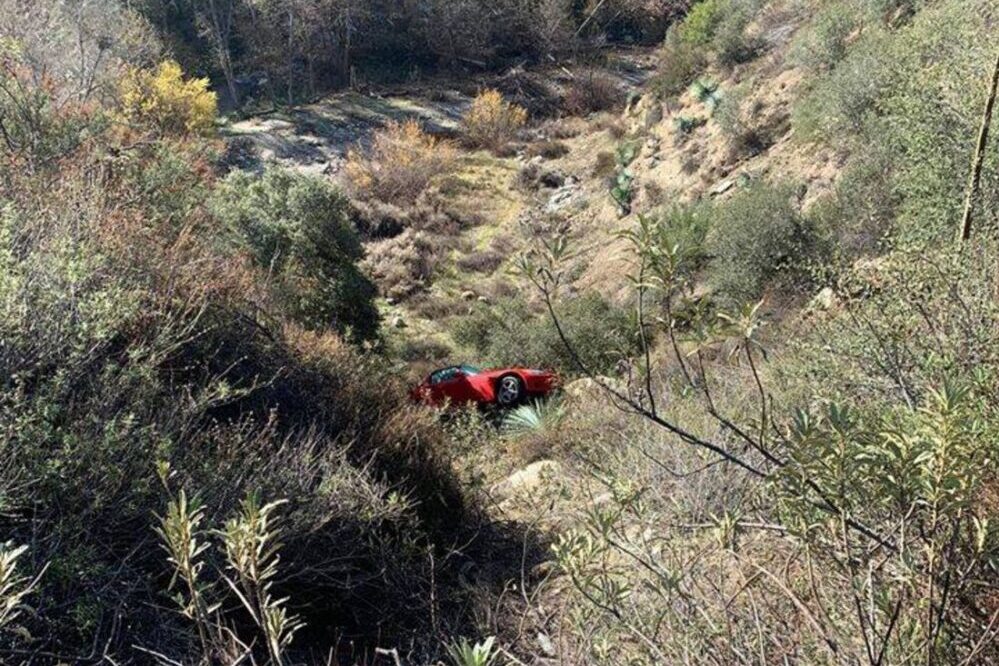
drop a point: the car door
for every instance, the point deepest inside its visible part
(451, 385)
(442, 385)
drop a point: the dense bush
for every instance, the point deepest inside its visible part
(164, 101)
(399, 165)
(732, 43)
(403, 264)
(298, 232)
(841, 102)
(883, 100)
(822, 45)
(680, 63)
(590, 92)
(755, 236)
(699, 26)
(492, 122)
(510, 333)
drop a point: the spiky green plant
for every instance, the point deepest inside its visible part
(251, 548)
(185, 541)
(464, 653)
(622, 190)
(13, 586)
(685, 125)
(538, 416)
(706, 92)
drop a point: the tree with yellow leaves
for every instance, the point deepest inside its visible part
(163, 100)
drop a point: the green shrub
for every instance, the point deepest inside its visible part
(822, 44)
(840, 102)
(732, 44)
(911, 97)
(698, 28)
(754, 236)
(930, 114)
(510, 333)
(680, 62)
(720, 26)
(297, 229)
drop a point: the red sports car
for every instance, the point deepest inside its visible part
(461, 384)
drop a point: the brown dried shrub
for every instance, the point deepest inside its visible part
(399, 165)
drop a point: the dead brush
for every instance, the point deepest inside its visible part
(492, 122)
(590, 92)
(399, 165)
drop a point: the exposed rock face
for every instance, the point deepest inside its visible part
(527, 479)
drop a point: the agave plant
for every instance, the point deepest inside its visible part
(538, 416)
(464, 653)
(707, 93)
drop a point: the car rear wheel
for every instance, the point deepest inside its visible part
(509, 390)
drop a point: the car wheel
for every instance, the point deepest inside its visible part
(509, 390)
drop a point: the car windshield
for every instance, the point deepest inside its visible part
(470, 370)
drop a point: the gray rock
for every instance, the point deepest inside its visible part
(823, 300)
(527, 479)
(721, 188)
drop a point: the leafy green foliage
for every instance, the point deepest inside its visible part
(732, 44)
(905, 101)
(720, 25)
(464, 653)
(297, 229)
(755, 236)
(680, 62)
(699, 26)
(510, 333)
(823, 45)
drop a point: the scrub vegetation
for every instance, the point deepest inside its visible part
(755, 238)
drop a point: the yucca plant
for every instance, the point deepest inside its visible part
(706, 92)
(685, 125)
(622, 190)
(622, 186)
(464, 653)
(536, 417)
